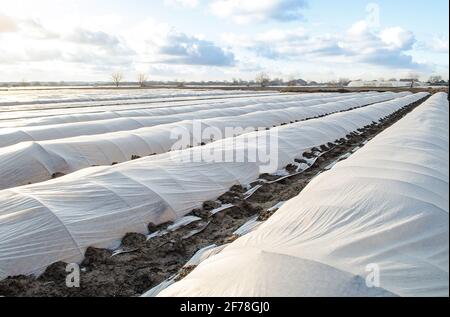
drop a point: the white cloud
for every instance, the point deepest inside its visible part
(358, 29)
(361, 44)
(93, 49)
(182, 3)
(98, 38)
(57, 45)
(33, 28)
(398, 38)
(439, 45)
(285, 44)
(250, 11)
(34, 45)
(190, 50)
(160, 43)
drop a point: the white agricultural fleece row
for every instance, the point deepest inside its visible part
(33, 162)
(121, 110)
(58, 220)
(136, 119)
(381, 215)
(61, 97)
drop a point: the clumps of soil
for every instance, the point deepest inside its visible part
(268, 177)
(308, 155)
(152, 227)
(15, 286)
(57, 175)
(184, 272)
(55, 272)
(204, 214)
(135, 157)
(96, 257)
(133, 240)
(266, 214)
(248, 209)
(233, 196)
(324, 148)
(210, 205)
(291, 168)
(300, 161)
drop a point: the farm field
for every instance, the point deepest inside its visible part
(299, 182)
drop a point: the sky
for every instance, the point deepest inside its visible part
(320, 40)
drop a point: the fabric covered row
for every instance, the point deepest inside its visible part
(71, 96)
(59, 219)
(130, 120)
(76, 113)
(384, 211)
(41, 114)
(33, 162)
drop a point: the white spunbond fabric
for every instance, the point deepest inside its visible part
(135, 119)
(385, 208)
(21, 114)
(96, 113)
(27, 97)
(98, 206)
(33, 162)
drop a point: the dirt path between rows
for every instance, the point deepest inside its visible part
(147, 263)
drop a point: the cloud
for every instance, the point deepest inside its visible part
(282, 44)
(35, 44)
(98, 38)
(386, 47)
(360, 44)
(160, 43)
(439, 45)
(26, 53)
(7, 24)
(257, 11)
(398, 38)
(34, 29)
(182, 3)
(189, 50)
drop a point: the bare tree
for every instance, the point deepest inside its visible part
(117, 77)
(142, 79)
(343, 82)
(414, 78)
(262, 79)
(435, 79)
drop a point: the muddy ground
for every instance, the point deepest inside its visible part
(151, 262)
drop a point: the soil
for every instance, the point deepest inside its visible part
(144, 264)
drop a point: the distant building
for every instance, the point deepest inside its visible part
(297, 82)
(386, 84)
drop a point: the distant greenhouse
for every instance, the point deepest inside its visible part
(378, 83)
